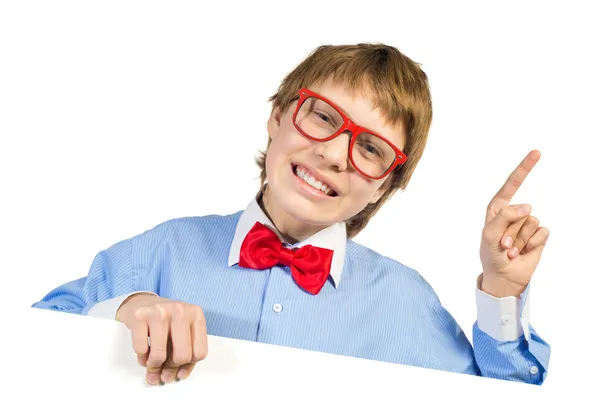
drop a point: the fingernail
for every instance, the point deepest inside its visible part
(166, 377)
(514, 251)
(523, 210)
(182, 374)
(153, 379)
(508, 242)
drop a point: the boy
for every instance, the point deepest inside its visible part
(347, 129)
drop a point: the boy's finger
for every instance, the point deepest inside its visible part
(494, 230)
(139, 336)
(534, 248)
(539, 238)
(511, 233)
(169, 370)
(142, 360)
(516, 178)
(159, 330)
(524, 235)
(180, 338)
(199, 340)
(185, 370)
(180, 348)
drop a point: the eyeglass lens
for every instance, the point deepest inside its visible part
(318, 119)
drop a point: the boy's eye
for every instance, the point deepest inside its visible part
(370, 148)
(324, 117)
(374, 150)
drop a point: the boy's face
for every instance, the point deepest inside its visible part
(291, 202)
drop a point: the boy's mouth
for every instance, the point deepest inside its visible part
(318, 185)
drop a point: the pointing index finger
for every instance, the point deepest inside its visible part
(516, 178)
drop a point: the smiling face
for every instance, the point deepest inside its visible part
(297, 208)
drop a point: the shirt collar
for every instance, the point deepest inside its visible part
(332, 237)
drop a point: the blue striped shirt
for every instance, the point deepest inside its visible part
(372, 307)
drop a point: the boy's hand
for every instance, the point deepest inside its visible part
(177, 334)
(506, 273)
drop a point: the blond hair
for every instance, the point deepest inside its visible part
(398, 87)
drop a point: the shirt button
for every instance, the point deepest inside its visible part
(533, 370)
(505, 320)
(277, 307)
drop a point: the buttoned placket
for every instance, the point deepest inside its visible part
(273, 307)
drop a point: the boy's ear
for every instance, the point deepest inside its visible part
(274, 122)
(377, 195)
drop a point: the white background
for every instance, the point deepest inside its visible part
(114, 117)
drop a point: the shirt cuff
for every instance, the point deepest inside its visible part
(108, 308)
(504, 319)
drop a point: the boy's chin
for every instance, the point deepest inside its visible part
(304, 210)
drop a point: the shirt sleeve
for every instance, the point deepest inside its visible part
(504, 351)
(506, 346)
(499, 317)
(115, 274)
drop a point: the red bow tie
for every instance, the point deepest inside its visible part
(310, 265)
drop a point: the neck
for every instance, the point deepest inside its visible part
(291, 229)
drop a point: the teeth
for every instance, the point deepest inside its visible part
(312, 181)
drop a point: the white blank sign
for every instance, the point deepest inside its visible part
(81, 356)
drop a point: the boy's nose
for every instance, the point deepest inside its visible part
(335, 151)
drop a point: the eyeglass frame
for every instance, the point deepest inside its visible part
(347, 126)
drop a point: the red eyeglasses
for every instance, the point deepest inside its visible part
(321, 120)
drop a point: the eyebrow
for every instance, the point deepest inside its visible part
(370, 129)
(347, 114)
